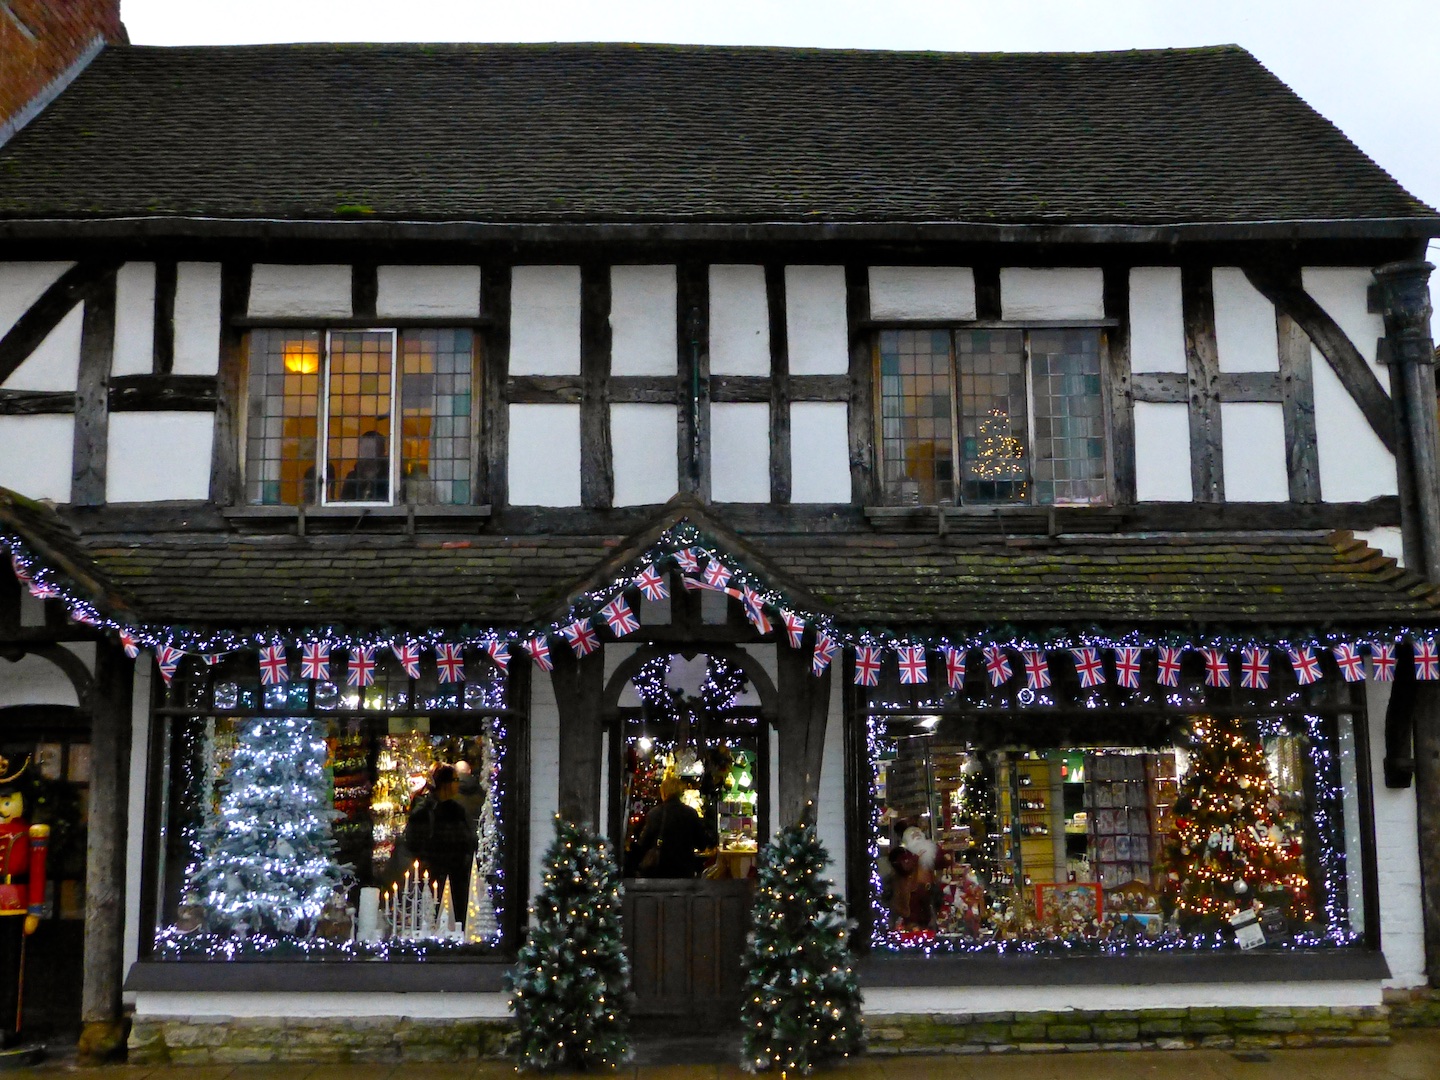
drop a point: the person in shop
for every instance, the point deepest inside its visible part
(369, 480)
(672, 836)
(441, 836)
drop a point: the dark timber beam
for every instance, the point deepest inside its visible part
(597, 477)
(229, 388)
(92, 395)
(777, 392)
(493, 476)
(864, 484)
(1302, 456)
(163, 343)
(46, 313)
(804, 709)
(1202, 362)
(1122, 407)
(692, 377)
(579, 686)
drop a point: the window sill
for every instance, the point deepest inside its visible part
(1003, 520)
(407, 516)
(320, 976)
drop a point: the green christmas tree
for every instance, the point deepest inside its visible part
(801, 1002)
(1229, 848)
(570, 987)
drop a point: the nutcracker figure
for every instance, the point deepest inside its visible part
(22, 892)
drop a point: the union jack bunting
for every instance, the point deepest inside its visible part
(755, 610)
(43, 590)
(652, 584)
(539, 650)
(1217, 667)
(1089, 666)
(361, 669)
(499, 652)
(273, 669)
(581, 636)
(167, 660)
(997, 665)
(867, 665)
(1254, 668)
(1127, 667)
(619, 618)
(794, 628)
(409, 657)
(912, 665)
(716, 574)
(1427, 661)
(954, 667)
(693, 584)
(21, 573)
(1382, 661)
(686, 560)
(824, 652)
(315, 661)
(85, 616)
(450, 662)
(1307, 667)
(1037, 668)
(1167, 666)
(212, 658)
(129, 644)
(1349, 661)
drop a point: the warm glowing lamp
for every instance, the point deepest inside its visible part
(301, 358)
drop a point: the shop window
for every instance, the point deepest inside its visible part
(317, 819)
(992, 416)
(366, 417)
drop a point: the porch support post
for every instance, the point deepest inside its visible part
(804, 707)
(1404, 294)
(579, 684)
(102, 1033)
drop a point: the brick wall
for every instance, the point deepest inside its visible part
(40, 39)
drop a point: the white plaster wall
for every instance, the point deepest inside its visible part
(739, 321)
(922, 292)
(428, 291)
(545, 320)
(134, 320)
(36, 454)
(830, 813)
(819, 452)
(740, 452)
(1343, 292)
(158, 456)
(883, 1000)
(135, 833)
(33, 680)
(55, 363)
(642, 320)
(21, 284)
(1244, 324)
(1052, 293)
(197, 318)
(1157, 320)
(544, 773)
(1252, 444)
(1397, 856)
(153, 1004)
(544, 453)
(816, 328)
(300, 289)
(1386, 539)
(1162, 452)
(643, 450)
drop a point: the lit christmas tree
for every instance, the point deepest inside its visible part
(570, 988)
(801, 1003)
(269, 857)
(1229, 848)
(481, 927)
(999, 455)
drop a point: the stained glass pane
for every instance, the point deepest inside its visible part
(436, 369)
(915, 396)
(994, 459)
(280, 443)
(358, 427)
(1069, 416)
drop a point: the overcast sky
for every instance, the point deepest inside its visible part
(1368, 65)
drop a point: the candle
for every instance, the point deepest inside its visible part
(368, 923)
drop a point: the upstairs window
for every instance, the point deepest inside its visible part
(335, 417)
(992, 416)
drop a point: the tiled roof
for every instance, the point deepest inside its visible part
(639, 133)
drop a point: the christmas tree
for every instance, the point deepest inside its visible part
(570, 988)
(269, 857)
(1229, 848)
(801, 1002)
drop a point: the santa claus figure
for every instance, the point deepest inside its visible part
(913, 885)
(22, 894)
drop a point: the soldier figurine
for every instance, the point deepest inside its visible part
(22, 893)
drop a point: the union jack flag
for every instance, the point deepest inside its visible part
(912, 664)
(167, 660)
(581, 636)
(1167, 667)
(1307, 667)
(686, 560)
(1348, 659)
(824, 652)
(1427, 661)
(499, 652)
(21, 573)
(619, 618)
(1037, 668)
(1254, 668)
(794, 628)
(1127, 667)
(409, 657)
(1382, 661)
(43, 590)
(1217, 667)
(361, 669)
(450, 662)
(1089, 666)
(129, 644)
(212, 658)
(997, 665)
(273, 668)
(867, 665)
(755, 610)
(954, 667)
(315, 661)
(652, 584)
(86, 616)
(539, 650)
(716, 575)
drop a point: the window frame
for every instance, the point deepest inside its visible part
(1104, 327)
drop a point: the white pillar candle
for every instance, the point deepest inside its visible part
(368, 923)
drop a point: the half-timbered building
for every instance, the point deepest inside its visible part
(938, 447)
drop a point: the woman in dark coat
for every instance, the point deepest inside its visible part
(441, 836)
(677, 831)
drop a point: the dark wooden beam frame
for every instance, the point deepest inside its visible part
(92, 397)
(691, 386)
(579, 687)
(1116, 292)
(163, 341)
(492, 480)
(1297, 384)
(229, 384)
(43, 316)
(776, 391)
(364, 288)
(864, 484)
(597, 479)
(1202, 361)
